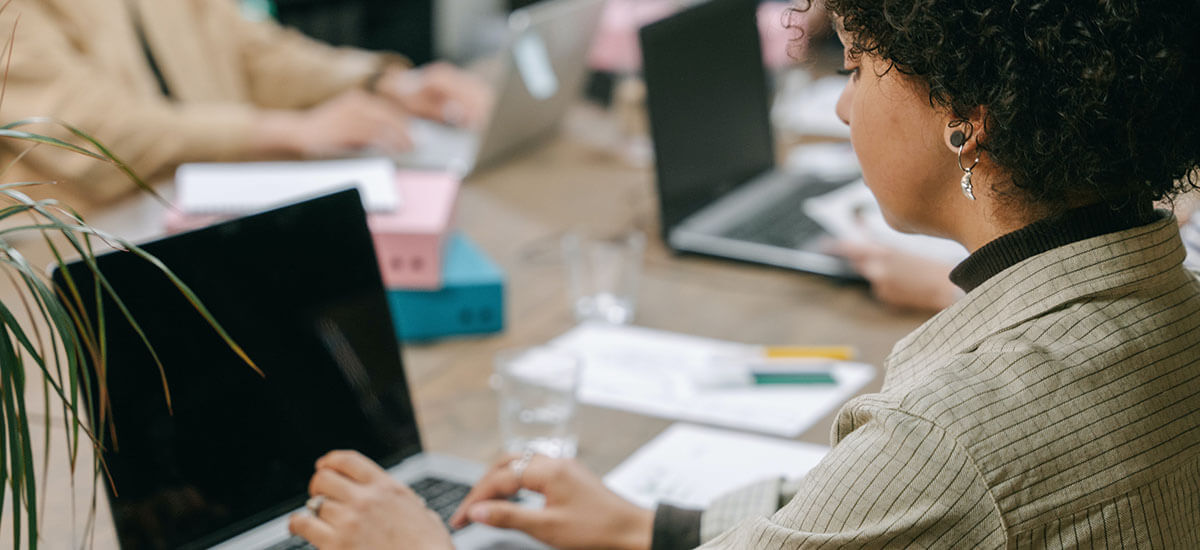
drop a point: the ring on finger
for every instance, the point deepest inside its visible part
(314, 504)
(519, 464)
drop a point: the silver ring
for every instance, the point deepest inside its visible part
(520, 464)
(314, 504)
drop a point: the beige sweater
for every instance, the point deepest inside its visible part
(1055, 406)
(81, 61)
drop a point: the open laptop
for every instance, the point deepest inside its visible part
(540, 73)
(298, 288)
(719, 190)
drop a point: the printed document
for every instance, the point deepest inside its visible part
(689, 466)
(659, 373)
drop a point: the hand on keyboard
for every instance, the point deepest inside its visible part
(364, 508)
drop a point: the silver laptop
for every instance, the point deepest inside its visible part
(719, 190)
(298, 288)
(540, 74)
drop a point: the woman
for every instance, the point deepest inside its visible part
(1056, 404)
(163, 83)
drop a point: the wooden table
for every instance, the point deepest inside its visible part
(517, 212)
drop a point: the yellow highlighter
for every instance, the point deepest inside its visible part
(837, 353)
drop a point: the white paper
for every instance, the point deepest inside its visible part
(244, 187)
(690, 466)
(656, 373)
(851, 213)
(810, 108)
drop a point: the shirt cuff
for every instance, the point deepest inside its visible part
(675, 528)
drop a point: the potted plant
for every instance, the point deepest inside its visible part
(43, 329)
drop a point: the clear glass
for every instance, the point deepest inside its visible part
(603, 275)
(536, 390)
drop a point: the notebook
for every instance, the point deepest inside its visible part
(244, 187)
(719, 190)
(298, 288)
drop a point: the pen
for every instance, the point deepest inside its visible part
(802, 371)
(767, 374)
(839, 353)
(797, 378)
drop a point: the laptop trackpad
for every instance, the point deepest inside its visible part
(483, 537)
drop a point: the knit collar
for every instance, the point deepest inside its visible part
(1047, 234)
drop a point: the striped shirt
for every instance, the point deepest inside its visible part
(1057, 405)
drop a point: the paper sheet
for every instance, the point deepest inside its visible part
(244, 187)
(690, 465)
(809, 108)
(655, 373)
(851, 213)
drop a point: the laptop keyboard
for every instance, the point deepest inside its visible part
(441, 496)
(292, 543)
(783, 223)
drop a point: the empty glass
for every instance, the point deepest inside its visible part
(536, 390)
(603, 275)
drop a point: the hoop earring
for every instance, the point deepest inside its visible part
(959, 139)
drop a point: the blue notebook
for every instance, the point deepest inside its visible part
(471, 300)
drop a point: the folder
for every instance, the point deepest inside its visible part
(471, 300)
(408, 241)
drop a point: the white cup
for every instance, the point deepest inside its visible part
(603, 275)
(536, 390)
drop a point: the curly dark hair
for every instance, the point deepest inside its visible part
(1083, 98)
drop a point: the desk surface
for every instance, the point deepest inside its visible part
(516, 212)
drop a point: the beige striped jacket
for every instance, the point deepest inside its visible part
(1055, 406)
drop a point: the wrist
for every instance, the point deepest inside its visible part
(639, 532)
(277, 133)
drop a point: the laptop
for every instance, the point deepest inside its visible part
(540, 74)
(719, 191)
(298, 288)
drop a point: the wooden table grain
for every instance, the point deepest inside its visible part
(517, 213)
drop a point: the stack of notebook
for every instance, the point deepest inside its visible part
(439, 283)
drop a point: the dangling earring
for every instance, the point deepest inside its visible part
(959, 139)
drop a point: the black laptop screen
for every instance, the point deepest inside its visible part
(707, 99)
(299, 290)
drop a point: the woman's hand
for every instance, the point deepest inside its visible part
(354, 120)
(439, 91)
(901, 279)
(580, 511)
(365, 509)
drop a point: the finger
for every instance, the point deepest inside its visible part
(393, 139)
(315, 531)
(333, 485)
(499, 483)
(352, 464)
(502, 483)
(332, 512)
(509, 515)
(855, 251)
(485, 489)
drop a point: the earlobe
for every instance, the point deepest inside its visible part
(957, 134)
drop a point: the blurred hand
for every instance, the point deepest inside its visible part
(365, 509)
(580, 511)
(901, 279)
(439, 91)
(807, 26)
(353, 120)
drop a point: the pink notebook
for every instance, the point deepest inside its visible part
(408, 241)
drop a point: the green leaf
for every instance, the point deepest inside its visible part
(103, 153)
(17, 469)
